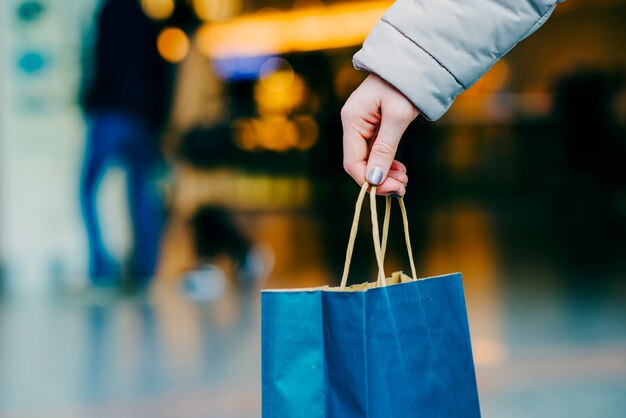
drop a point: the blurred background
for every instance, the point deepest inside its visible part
(162, 160)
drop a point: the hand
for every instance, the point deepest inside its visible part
(374, 118)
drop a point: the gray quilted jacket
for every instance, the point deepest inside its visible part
(432, 50)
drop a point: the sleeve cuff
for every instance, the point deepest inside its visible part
(409, 68)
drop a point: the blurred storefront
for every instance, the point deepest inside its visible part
(521, 186)
(254, 125)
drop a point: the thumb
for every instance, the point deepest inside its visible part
(384, 148)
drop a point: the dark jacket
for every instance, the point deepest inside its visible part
(128, 73)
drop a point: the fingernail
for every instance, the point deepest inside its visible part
(375, 176)
(396, 195)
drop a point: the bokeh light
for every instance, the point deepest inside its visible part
(158, 9)
(308, 132)
(216, 10)
(309, 28)
(279, 90)
(276, 74)
(173, 44)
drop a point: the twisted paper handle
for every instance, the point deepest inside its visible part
(379, 248)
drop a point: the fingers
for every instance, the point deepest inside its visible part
(381, 157)
(358, 128)
(374, 119)
(395, 183)
(397, 165)
(398, 175)
(391, 186)
(355, 157)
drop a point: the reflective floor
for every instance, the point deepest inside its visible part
(547, 315)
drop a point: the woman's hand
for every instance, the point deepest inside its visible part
(374, 118)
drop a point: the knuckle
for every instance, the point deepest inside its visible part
(402, 114)
(384, 149)
(398, 175)
(347, 112)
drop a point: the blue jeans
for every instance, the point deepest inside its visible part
(115, 137)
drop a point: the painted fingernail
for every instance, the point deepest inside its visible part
(396, 195)
(375, 176)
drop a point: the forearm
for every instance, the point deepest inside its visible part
(432, 50)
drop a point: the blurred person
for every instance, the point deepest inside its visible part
(421, 55)
(215, 232)
(126, 100)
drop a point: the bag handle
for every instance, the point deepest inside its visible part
(405, 224)
(379, 248)
(375, 234)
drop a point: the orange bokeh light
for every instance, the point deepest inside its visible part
(173, 44)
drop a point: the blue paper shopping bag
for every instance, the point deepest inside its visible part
(395, 348)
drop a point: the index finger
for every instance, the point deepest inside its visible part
(355, 152)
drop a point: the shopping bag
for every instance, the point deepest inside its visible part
(395, 348)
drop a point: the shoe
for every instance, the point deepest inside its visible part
(206, 283)
(104, 272)
(256, 267)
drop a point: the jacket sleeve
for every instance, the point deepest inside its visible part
(432, 50)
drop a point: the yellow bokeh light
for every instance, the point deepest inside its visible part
(276, 133)
(158, 9)
(306, 28)
(308, 131)
(278, 81)
(245, 137)
(280, 93)
(276, 74)
(216, 10)
(173, 44)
